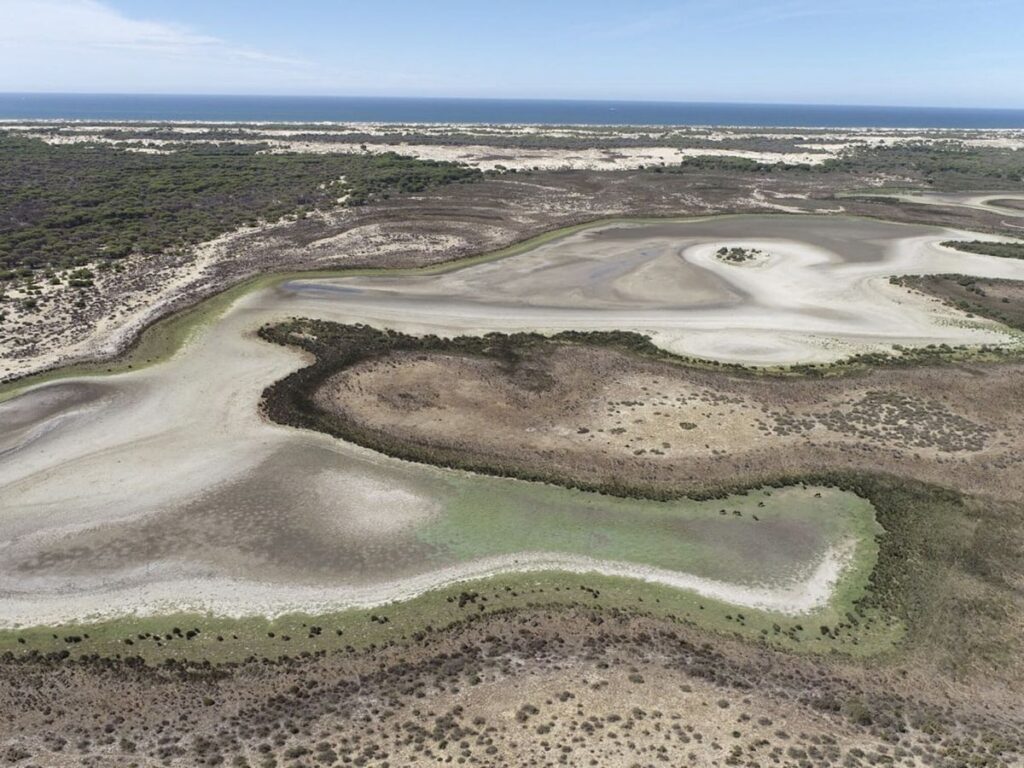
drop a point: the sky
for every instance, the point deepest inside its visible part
(878, 52)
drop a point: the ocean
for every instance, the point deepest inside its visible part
(550, 112)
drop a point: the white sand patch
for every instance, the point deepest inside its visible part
(484, 156)
(374, 240)
(493, 157)
(758, 197)
(368, 505)
(1001, 142)
(594, 159)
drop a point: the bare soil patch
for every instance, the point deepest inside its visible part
(543, 687)
(603, 417)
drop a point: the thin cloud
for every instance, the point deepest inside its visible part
(721, 15)
(85, 25)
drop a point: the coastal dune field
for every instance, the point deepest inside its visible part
(127, 493)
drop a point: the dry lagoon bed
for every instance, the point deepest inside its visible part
(818, 292)
(164, 489)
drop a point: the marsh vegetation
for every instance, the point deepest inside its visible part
(988, 248)
(999, 300)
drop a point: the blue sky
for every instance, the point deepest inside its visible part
(898, 52)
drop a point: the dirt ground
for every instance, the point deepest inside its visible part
(573, 687)
(599, 415)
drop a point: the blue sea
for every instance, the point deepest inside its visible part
(550, 112)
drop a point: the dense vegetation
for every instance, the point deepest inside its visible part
(738, 255)
(988, 248)
(69, 205)
(951, 165)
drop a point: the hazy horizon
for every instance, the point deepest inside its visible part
(525, 99)
(233, 108)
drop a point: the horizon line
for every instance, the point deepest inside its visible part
(531, 99)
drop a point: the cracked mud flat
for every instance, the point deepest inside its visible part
(123, 460)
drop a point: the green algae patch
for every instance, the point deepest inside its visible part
(839, 625)
(764, 537)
